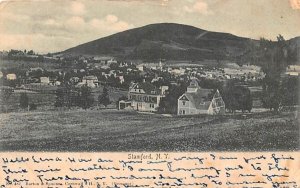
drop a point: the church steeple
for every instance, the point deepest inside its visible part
(160, 66)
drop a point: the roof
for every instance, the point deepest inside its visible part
(147, 87)
(194, 84)
(200, 99)
(90, 78)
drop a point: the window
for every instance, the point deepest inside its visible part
(133, 97)
(182, 112)
(151, 105)
(183, 103)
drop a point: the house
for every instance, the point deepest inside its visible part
(144, 96)
(90, 81)
(11, 76)
(153, 67)
(123, 64)
(140, 67)
(74, 80)
(105, 67)
(111, 61)
(176, 71)
(57, 83)
(121, 78)
(45, 80)
(293, 70)
(197, 100)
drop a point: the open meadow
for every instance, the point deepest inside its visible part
(113, 130)
(44, 97)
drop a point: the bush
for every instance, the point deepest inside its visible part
(86, 98)
(32, 107)
(24, 101)
(5, 94)
(104, 97)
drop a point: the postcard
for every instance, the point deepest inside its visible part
(149, 93)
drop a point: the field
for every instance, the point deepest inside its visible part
(45, 100)
(113, 130)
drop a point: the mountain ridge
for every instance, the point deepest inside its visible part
(168, 41)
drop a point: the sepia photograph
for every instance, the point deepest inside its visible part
(149, 76)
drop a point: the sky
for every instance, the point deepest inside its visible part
(55, 25)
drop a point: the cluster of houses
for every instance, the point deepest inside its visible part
(293, 70)
(196, 100)
(245, 72)
(94, 70)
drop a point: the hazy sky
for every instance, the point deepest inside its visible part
(54, 25)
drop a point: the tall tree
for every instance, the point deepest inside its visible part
(104, 97)
(86, 98)
(236, 97)
(67, 95)
(169, 103)
(60, 97)
(273, 57)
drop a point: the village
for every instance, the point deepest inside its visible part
(137, 86)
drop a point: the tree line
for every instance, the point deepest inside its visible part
(69, 96)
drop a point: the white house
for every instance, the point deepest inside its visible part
(11, 76)
(111, 61)
(144, 97)
(45, 80)
(90, 81)
(293, 70)
(121, 78)
(200, 101)
(140, 67)
(57, 83)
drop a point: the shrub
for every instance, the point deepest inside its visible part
(24, 101)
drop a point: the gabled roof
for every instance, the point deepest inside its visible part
(200, 99)
(194, 84)
(147, 87)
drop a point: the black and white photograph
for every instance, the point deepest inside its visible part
(149, 75)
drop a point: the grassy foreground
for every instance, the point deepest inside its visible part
(113, 130)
